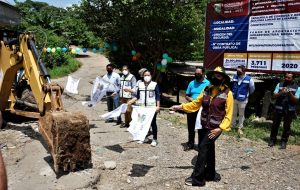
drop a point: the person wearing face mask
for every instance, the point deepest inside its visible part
(112, 93)
(217, 107)
(243, 86)
(148, 96)
(287, 94)
(128, 83)
(195, 87)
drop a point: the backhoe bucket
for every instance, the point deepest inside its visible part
(68, 137)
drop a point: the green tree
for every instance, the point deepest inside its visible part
(151, 27)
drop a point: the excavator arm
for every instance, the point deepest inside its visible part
(66, 133)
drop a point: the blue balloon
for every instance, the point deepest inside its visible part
(84, 50)
(48, 50)
(64, 50)
(94, 50)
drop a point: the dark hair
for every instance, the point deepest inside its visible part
(242, 67)
(126, 67)
(289, 72)
(146, 71)
(202, 68)
(110, 65)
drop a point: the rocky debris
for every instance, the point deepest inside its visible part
(110, 165)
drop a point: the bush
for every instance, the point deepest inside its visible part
(70, 66)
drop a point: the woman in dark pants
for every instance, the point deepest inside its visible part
(217, 107)
(148, 96)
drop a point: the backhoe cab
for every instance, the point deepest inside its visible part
(26, 89)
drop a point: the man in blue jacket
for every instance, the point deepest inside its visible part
(243, 86)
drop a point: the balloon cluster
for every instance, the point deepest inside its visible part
(162, 66)
(72, 50)
(135, 55)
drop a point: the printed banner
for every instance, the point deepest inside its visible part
(286, 62)
(232, 60)
(115, 113)
(141, 122)
(98, 92)
(274, 32)
(72, 85)
(252, 27)
(259, 61)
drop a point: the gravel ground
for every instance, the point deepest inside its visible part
(243, 164)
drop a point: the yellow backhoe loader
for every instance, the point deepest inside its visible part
(26, 89)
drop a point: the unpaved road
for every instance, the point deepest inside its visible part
(243, 164)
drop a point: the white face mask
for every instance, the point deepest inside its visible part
(125, 72)
(147, 78)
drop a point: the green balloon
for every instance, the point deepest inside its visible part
(58, 49)
(163, 70)
(158, 66)
(169, 59)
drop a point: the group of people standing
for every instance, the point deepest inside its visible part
(219, 100)
(127, 90)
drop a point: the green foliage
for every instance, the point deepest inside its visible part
(59, 26)
(65, 69)
(56, 59)
(151, 27)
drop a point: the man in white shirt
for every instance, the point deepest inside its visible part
(113, 99)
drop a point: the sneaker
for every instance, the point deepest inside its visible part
(283, 145)
(154, 143)
(188, 181)
(240, 131)
(140, 142)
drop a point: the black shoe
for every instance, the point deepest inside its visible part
(187, 147)
(193, 182)
(109, 121)
(271, 143)
(188, 181)
(119, 122)
(216, 178)
(283, 145)
(124, 125)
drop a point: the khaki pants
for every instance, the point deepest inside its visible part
(128, 112)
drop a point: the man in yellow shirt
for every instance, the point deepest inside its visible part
(217, 108)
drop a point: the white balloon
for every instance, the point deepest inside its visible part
(164, 62)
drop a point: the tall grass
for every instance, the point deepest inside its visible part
(261, 131)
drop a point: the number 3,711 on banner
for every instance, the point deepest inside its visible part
(259, 61)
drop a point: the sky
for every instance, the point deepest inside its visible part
(57, 3)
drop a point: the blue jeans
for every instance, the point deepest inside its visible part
(113, 102)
